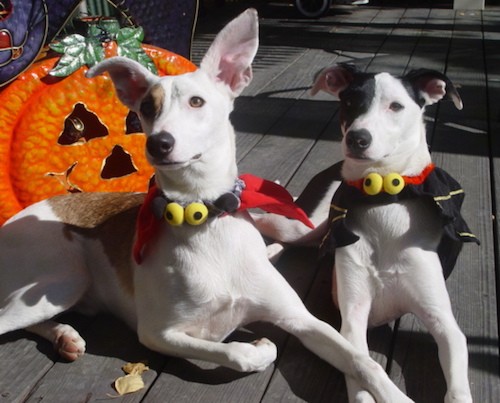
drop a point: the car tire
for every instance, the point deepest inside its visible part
(312, 8)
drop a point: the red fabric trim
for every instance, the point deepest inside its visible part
(147, 226)
(258, 193)
(419, 179)
(270, 197)
(409, 180)
(358, 183)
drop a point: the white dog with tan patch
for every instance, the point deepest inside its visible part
(196, 269)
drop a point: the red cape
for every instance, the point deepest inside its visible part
(258, 193)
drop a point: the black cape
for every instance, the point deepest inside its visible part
(439, 189)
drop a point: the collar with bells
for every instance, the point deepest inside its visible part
(393, 183)
(196, 213)
(248, 192)
(433, 186)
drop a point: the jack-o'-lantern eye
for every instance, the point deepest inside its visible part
(196, 102)
(393, 183)
(196, 213)
(373, 184)
(174, 214)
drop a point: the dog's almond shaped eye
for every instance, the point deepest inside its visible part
(196, 102)
(396, 106)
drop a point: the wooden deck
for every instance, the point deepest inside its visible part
(285, 134)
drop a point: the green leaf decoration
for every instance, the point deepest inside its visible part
(94, 31)
(72, 40)
(73, 57)
(94, 52)
(129, 45)
(57, 47)
(111, 26)
(139, 56)
(79, 51)
(126, 34)
(62, 45)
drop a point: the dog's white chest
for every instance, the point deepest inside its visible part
(382, 262)
(392, 228)
(203, 277)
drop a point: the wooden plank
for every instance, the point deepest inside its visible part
(302, 376)
(491, 16)
(280, 154)
(465, 155)
(252, 119)
(357, 30)
(468, 4)
(440, 54)
(196, 381)
(431, 50)
(285, 145)
(326, 150)
(395, 52)
(413, 343)
(27, 358)
(110, 345)
(319, 382)
(399, 56)
(24, 362)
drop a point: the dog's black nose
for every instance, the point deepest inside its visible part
(159, 145)
(358, 140)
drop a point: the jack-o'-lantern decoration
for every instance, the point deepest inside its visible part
(69, 133)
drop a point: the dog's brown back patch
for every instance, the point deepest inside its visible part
(89, 209)
(107, 217)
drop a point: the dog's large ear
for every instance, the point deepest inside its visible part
(230, 56)
(132, 80)
(431, 86)
(334, 79)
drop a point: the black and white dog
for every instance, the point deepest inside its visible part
(394, 224)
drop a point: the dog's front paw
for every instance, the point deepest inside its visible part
(250, 357)
(68, 343)
(368, 375)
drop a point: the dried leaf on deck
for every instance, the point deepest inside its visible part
(135, 368)
(129, 383)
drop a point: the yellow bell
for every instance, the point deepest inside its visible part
(373, 183)
(196, 213)
(393, 183)
(174, 214)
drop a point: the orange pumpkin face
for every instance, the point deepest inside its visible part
(70, 134)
